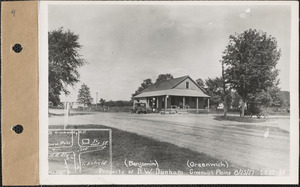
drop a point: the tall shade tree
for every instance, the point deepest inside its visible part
(84, 95)
(249, 62)
(64, 61)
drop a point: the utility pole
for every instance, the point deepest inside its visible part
(96, 99)
(224, 92)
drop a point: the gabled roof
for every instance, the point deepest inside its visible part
(169, 84)
(165, 85)
(168, 87)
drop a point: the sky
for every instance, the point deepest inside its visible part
(125, 44)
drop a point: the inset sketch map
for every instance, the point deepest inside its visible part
(79, 152)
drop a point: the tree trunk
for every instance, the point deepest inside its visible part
(243, 109)
(225, 109)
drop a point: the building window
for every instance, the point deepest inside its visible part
(187, 85)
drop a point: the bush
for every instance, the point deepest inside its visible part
(115, 109)
(56, 107)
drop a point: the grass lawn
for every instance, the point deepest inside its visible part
(132, 147)
(253, 123)
(71, 114)
(254, 119)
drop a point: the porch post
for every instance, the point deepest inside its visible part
(157, 102)
(183, 102)
(197, 105)
(166, 102)
(208, 105)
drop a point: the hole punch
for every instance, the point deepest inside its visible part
(17, 48)
(18, 129)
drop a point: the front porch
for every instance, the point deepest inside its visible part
(176, 104)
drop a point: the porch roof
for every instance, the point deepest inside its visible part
(173, 92)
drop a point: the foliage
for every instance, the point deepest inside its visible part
(227, 99)
(163, 77)
(249, 63)
(102, 102)
(235, 99)
(145, 84)
(270, 97)
(148, 82)
(214, 88)
(200, 82)
(118, 103)
(84, 95)
(64, 61)
(285, 98)
(250, 60)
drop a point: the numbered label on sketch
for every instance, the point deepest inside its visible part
(79, 151)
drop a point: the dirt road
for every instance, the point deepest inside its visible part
(253, 145)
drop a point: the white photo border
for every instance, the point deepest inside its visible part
(45, 178)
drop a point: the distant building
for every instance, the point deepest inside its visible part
(76, 105)
(182, 92)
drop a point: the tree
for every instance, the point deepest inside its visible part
(218, 92)
(249, 63)
(148, 82)
(214, 89)
(84, 95)
(235, 99)
(285, 98)
(145, 84)
(200, 82)
(163, 77)
(102, 102)
(270, 97)
(118, 103)
(64, 61)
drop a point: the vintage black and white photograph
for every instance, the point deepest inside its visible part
(167, 89)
